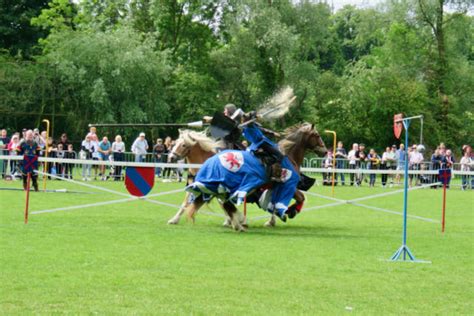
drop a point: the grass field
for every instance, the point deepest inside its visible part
(125, 259)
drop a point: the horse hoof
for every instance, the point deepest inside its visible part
(240, 229)
(227, 223)
(269, 224)
(172, 222)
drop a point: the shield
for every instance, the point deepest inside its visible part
(30, 163)
(397, 126)
(444, 176)
(139, 180)
(222, 126)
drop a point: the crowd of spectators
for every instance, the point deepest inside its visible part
(393, 158)
(91, 148)
(358, 157)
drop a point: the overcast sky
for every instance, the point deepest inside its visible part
(359, 3)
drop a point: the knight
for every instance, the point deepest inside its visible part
(29, 147)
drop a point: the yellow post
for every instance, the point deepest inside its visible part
(46, 154)
(333, 158)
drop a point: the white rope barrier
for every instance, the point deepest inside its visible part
(69, 208)
(197, 166)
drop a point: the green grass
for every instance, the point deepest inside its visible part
(124, 259)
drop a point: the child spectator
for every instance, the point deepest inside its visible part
(327, 176)
(60, 154)
(69, 167)
(158, 151)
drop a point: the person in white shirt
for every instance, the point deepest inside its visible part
(86, 154)
(118, 149)
(353, 157)
(415, 159)
(467, 164)
(140, 147)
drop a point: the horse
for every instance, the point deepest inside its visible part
(197, 148)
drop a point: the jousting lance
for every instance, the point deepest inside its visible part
(197, 124)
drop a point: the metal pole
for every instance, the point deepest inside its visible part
(46, 154)
(406, 124)
(333, 158)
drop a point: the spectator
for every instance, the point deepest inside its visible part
(52, 153)
(389, 161)
(104, 153)
(436, 160)
(168, 148)
(448, 162)
(4, 141)
(86, 154)
(341, 157)
(140, 147)
(12, 146)
(118, 150)
(64, 140)
(327, 176)
(415, 159)
(42, 142)
(467, 164)
(245, 144)
(362, 162)
(69, 167)
(95, 150)
(23, 133)
(353, 157)
(158, 151)
(401, 158)
(60, 154)
(176, 171)
(373, 164)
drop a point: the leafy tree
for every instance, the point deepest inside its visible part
(17, 35)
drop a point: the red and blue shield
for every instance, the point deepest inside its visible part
(30, 163)
(139, 180)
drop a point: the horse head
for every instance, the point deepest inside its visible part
(300, 138)
(183, 145)
(314, 141)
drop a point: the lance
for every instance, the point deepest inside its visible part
(197, 124)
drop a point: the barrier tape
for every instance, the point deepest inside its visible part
(197, 166)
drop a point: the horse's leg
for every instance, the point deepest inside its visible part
(227, 221)
(194, 207)
(235, 220)
(182, 208)
(299, 197)
(271, 222)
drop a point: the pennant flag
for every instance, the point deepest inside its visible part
(139, 180)
(30, 163)
(397, 126)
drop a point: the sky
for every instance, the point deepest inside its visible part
(359, 3)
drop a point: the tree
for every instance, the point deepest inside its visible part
(17, 35)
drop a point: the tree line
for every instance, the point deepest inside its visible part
(142, 61)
